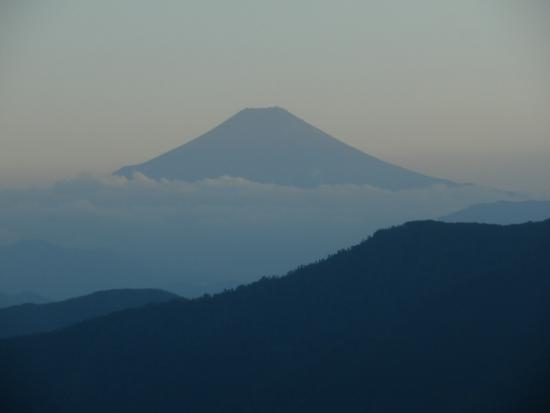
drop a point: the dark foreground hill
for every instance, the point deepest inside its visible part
(35, 318)
(270, 145)
(425, 317)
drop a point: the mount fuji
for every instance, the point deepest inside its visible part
(270, 145)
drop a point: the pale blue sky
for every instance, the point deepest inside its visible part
(456, 89)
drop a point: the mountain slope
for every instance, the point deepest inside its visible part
(272, 146)
(502, 212)
(428, 316)
(36, 318)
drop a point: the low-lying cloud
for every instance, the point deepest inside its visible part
(218, 229)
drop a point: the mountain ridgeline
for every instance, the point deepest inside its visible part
(275, 147)
(35, 318)
(424, 317)
(9, 300)
(502, 212)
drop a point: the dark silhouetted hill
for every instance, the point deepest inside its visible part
(273, 146)
(36, 318)
(424, 317)
(502, 212)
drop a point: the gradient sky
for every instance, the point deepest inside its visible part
(457, 89)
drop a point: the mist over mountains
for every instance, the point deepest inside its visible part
(425, 316)
(173, 242)
(297, 194)
(165, 233)
(61, 272)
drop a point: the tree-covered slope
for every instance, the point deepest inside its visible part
(425, 317)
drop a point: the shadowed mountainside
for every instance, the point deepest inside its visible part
(273, 146)
(428, 316)
(36, 318)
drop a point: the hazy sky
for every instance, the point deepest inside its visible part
(457, 89)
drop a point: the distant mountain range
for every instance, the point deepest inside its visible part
(36, 318)
(8, 300)
(273, 146)
(424, 317)
(502, 212)
(60, 272)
